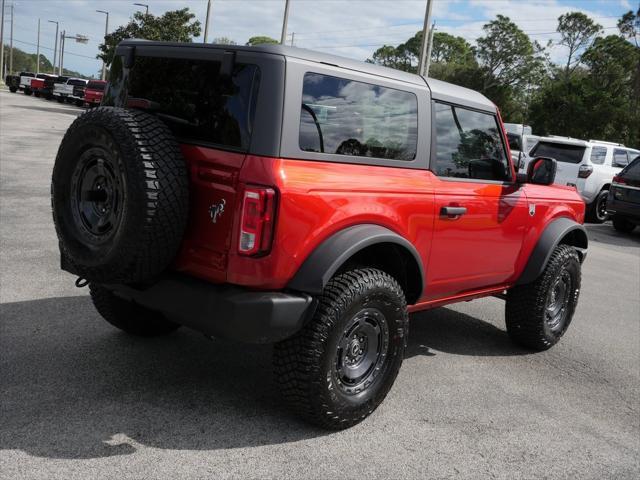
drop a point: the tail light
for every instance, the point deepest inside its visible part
(257, 220)
(584, 171)
(619, 179)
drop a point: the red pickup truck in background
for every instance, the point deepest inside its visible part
(94, 92)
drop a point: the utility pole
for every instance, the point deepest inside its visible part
(106, 30)
(11, 44)
(61, 60)
(38, 51)
(2, 44)
(55, 47)
(429, 50)
(206, 21)
(425, 38)
(285, 20)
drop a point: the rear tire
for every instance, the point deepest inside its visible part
(36, 94)
(341, 365)
(13, 89)
(27, 92)
(129, 316)
(539, 313)
(621, 224)
(597, 210)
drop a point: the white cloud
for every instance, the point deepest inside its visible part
(352, 28)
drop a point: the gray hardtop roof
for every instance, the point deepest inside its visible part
(440, 90)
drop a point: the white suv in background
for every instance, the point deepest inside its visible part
(587, 165)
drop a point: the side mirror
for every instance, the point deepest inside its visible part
(542, 171)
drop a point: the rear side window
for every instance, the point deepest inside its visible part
(96, 86)
(561, 152)
(195, 101)
(469, 145)
(598, 155)
(633, 169)
(345, 117)
(620, 158)
(77, 83)
(514, 141)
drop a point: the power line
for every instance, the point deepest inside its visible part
(49, 48)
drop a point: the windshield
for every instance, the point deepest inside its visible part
(561, 152)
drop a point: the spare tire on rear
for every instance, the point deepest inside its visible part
(119, 195)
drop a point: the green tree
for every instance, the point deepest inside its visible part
(26, 62)
(628, 25)
(261, 40)
(223, 41)
(173, 26)
(577, 31)
(507, 56)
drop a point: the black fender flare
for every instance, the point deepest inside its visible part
(332, 253)
(560, 230)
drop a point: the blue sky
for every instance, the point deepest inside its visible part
(352, 28)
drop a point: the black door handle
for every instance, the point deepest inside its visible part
(453, 212)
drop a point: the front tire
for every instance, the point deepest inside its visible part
(341, 365)
(539, 313)
(129, 316)
(13, 89)
(597, 211)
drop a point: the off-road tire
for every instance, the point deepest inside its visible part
(129, 316)
(621, 224)
(526, 305)
(304, 364)
(153, 177)
(596, 211)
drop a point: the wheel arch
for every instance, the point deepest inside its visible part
(362, 245)
(561, 231)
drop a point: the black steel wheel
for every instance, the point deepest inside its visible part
(341, 365)
(538, 314)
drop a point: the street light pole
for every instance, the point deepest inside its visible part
(11, 43)
(106, 30)
(425, 38)
(285, 20)
(61, 60)
(2, 43)
(206, 21)
(38, 51)
(55, 47)
(143, 5)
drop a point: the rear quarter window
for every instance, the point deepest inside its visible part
(347, 117)
(598, 155)
(197, 102)
(561, 152)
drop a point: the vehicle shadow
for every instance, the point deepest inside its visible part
(74, 387)
(448, 331)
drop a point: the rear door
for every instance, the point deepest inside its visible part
(481, 214)
(568, 156)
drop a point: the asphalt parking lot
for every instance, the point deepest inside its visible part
(82, 400)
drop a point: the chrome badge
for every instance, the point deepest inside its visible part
(216, 210)
(532, 209)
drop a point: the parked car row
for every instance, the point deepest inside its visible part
(589, 166)
(64, 89)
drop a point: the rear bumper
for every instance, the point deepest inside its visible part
(223, 310)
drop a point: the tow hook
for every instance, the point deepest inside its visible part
(81, 282)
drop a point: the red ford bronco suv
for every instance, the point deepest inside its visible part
(276, 195)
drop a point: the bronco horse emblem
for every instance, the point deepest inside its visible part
(216, 210)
